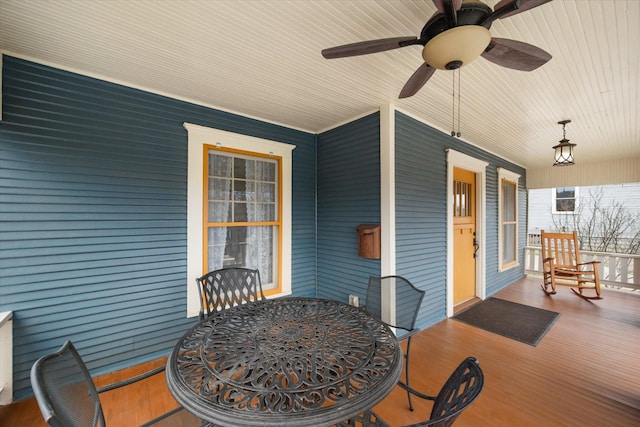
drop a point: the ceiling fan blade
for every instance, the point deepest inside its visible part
(515, 55)
(417, 80)
(440, 4)
(365, 48)
(524, 5)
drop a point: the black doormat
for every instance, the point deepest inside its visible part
(512, 320)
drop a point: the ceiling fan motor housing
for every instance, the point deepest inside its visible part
(448, 47)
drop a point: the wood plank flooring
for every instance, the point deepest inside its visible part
(584, 372)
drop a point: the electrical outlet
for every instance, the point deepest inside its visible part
(353, 300)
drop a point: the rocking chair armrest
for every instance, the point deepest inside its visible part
(550, 259)
(415, 392)
(589, 263)
(131, 380)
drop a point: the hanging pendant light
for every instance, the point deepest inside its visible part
(564, 150)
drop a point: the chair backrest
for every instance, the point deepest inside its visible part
(228, 287)
(394, 300)
(562, 247)
(461, 389)
(65, 391)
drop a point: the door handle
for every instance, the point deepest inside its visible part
(476, 246)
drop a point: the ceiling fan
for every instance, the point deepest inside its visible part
(456, 34)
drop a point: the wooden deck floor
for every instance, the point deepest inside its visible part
(584, 372)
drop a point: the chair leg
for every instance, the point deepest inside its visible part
(406, 372)
(594, 278)
(548, 283)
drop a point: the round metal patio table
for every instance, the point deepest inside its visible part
(284, 362)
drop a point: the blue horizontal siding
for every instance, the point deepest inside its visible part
(421, 188)
(348, 195)
(93, 191)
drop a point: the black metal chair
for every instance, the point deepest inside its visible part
(68, 397)
(461, 389)
(228, 287)
(395, 301)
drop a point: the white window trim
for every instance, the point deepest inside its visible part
(512, 177)
(553, 202)
(198, 136)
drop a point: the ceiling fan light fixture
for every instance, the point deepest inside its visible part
(456, 47)
(564, 151)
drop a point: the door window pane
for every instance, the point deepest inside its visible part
(462, 199)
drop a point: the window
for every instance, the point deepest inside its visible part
(565, 199)
(242, 216)
(238, 208)
(508, 218)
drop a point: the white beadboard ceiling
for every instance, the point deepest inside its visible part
(262, 59)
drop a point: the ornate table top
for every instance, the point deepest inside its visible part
(284, 362)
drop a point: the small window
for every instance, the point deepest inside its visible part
(508, 218)
(239, 208)
(242, 220)
(565, 200)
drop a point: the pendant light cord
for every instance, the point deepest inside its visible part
(453, 106)
(458, 134)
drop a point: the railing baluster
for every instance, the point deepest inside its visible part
(617, 269)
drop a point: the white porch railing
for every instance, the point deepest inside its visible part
(616, 270)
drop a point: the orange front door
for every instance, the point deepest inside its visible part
(464, 230)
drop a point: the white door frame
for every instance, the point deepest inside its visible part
(456, 159)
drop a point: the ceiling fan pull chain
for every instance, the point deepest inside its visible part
(453, 104)
(459, 101)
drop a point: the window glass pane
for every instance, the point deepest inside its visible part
(240, 212)
(219, 212)
(262, 251)
(566, 192)
(456, 200)
(240, 190)
(244, 168)
(239, 170)
(216, 242)
(227, 247)
(244, 190)
(219, 189)
(251, 247)
(508, 243)
(219, 165)
(266, 171)
(565, 205)
(265, 192)
(508, 201)
(262, 212)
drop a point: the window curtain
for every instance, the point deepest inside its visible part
(219, 209)
(261, 207)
